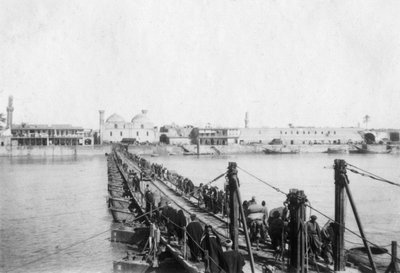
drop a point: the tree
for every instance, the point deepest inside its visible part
(366, 120)
(2, 120)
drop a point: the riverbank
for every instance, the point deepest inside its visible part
(171, 150)
(53, 151)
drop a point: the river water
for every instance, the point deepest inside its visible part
(54, 216)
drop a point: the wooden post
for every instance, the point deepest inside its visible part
(233, 205)
(296, 201)
(236, 206)
(339, 226)
(360, 228)
(184, 243)
(393, 266)
(198, 146)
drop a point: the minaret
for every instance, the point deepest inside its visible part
(246, 120)
(10, 110)
(101, 127)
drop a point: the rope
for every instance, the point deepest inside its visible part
(348, 229)
(375, 178)
(262, 181)
(371, 175)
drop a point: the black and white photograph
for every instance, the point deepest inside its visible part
(199, 136)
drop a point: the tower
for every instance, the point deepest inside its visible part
(10, 110)
(246, 120)
(101, 127)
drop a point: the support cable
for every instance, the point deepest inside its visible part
(262, 181)
(370, 175)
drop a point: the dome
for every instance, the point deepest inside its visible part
(142, 121)
(115, 118)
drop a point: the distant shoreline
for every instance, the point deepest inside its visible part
(171, 150)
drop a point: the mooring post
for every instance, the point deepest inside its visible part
(339, 225)
(233, 205)
(296, 200)
(235, 208)
(360, 227)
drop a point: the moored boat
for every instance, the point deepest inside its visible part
(121, 215)
(370, 149)
(281, 150)
(119, 203)
(340, 150)
(115, 192)
(359, 256)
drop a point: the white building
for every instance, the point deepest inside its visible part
(115, 128)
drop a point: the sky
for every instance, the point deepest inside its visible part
(308, 63)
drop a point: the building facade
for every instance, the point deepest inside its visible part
(218, 136)
(46, 135)
(301, 135)
(115, 128)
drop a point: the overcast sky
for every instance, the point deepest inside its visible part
(310, 63)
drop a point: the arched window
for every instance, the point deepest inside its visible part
(116, 126)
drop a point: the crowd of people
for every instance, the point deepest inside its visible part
(264, 225)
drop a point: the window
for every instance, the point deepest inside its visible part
(116, 126)
(110, 133)
(322, 133)
(285, 133)
(297, 132)
(120, 133)
(315, 132)
(308, 132)
(142, 126)
(304, 133)
(334, 132)
(147, 133)
(281, 132)
(137, 133)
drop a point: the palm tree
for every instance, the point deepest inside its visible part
(2, 120)
(366, 120)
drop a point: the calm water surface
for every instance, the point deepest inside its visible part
(54, 216)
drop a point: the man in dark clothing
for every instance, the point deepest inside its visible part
(211, 242)
(149, 201)
(233, 259)
(276, 226)
(181, 223)
(194, 230)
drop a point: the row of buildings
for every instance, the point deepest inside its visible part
(140, 129)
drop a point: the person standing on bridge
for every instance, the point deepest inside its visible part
(149, 200)
(233, 259)
(314, 237)
(194, 231)
(211, 242)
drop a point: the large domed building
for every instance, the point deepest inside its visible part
(115, 128)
